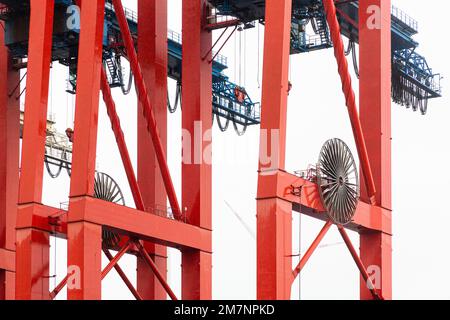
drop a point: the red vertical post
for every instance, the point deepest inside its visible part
(32, 250)
(196, 125)
(84, 238)
(274, 229)
(375, 114)
(9, 164)
(152, 55)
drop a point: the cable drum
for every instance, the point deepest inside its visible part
(338, 181)
(106, 188)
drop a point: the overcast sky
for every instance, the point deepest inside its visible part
(316, 113)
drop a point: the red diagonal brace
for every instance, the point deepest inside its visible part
(311, 249)
(155, 270)
(105, 271)
(123, 276)
(350, 100)
(148, 111)
(115, 260)
(59, 287)
(121, 144)
(359, 263)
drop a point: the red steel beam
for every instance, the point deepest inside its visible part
(59, 287)
(32, 246)
(136, 223)
(7, 263)
(155, 270)
(148, 110)
(36, 100)
(121, 144)
(44, 218)
(9, 170)
(84, 238)
(350, 99)
(375, 112)
(280, 185)
(112, 263)
(223, 44)
(359, 263)
(135, 190)
(196, 124)
(141, 224)
(311, 249)
(274, 215)
(153, 59)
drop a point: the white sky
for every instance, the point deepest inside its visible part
(316, 113)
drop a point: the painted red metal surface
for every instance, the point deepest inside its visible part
(362, 269)
(304, 259)
(148, 112)
(9, 170)
(152, 57)
(375, 114)
(83, 224)
(350, 99)
(32, 246)
(274, 244)
(196, 177)
(84, 238)
(276, 196)
(121, 144)
(123, 276)
(112, 263)
(156, 271)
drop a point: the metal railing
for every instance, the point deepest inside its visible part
(171, 35)
(404, 18)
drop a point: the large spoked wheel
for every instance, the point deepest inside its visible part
(337, 177)
(106, 188)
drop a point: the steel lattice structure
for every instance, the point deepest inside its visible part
(93, 59)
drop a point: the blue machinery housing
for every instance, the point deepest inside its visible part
(413, 82)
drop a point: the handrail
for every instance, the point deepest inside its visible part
(171, 35)
(406, 19)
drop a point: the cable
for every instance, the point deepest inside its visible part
(177, 99)
(355, 59)
(51, 92)
(259, 58)
(222, 127)
(349, 48)
(245, 58)
(50, 172)
(235, 57)
(240, 58)
(126, 89)
(240, 133)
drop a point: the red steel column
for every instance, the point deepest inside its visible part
(152, 55)
(274, 229)
(9, 165)
(84, 239)
(196, 122)
(32, 251)
(375, 113)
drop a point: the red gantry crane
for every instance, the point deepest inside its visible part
(36, 33)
